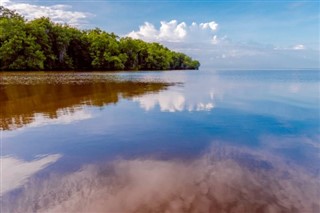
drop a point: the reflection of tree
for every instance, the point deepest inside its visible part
(20, 101)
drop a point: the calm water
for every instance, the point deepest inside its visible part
(176, 141)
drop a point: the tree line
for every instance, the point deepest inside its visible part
(41, 44)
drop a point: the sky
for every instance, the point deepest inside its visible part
(265, 34)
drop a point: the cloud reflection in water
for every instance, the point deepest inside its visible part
(15, 172)
(63, 117)
(169, 101)
(225, 179)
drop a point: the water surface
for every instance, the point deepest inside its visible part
(175, 141)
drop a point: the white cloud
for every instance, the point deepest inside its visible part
(299, 47)
(229, 54)
(215, 40)
(146, 31)
(15, 172)
(294, 47)
(58, 13)
(202, 42)
(212, 25)
(173, 31)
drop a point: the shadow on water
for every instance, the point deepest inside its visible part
(22, 95)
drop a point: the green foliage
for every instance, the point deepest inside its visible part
(41, 44)
(18, 47)
(105, 51)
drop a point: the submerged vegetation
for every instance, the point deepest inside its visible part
(41, 44)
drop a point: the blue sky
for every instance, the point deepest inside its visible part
(221, 34)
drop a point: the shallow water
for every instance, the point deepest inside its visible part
(174, 141)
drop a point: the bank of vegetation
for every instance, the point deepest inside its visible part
(41, 44)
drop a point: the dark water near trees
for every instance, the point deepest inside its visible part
(176, 141)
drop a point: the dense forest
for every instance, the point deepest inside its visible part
(41, 44)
